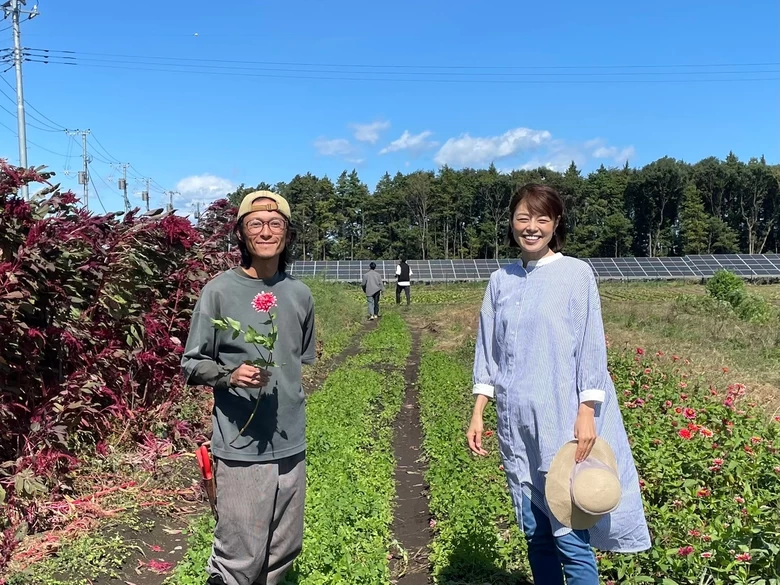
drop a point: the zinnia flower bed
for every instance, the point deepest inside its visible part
(710, 475)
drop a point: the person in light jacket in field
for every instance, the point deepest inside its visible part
(373, 287)
(541, 354)
(259, 418)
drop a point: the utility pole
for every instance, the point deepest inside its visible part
(14, 8)
(123, 187)
(84, 173)
(169, 207)
(145, 194)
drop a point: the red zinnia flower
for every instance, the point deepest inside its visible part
(264, 302)
(685, 434)
(703, 493)
(755, 440)
(678, 410)
(706, 432)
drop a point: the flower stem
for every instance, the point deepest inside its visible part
(254, 410)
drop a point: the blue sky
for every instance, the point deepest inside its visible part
(521, 84)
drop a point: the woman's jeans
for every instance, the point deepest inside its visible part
(373, 304)
(552, 557)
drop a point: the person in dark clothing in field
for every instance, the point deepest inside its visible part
(260, 473)
(403, 274)
(373, 287)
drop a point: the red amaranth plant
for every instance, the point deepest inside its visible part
(94, 311)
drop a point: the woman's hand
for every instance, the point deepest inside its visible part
(585, 431)
(248, 376)
(474, 434)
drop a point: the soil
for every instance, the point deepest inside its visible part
(411, 520)
(167, 533)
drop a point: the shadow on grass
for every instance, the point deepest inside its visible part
(475, 560)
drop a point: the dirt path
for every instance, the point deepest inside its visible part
(411, 521)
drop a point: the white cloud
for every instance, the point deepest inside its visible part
(414, 143)
(203, 189)
(478, 151)
(559, 154)
(369, 132)
(334, 147)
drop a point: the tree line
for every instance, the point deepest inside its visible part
(666, 208)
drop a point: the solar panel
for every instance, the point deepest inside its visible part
(625, 268)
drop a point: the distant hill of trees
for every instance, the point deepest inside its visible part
(668, 207)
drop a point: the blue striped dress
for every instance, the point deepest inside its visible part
(540, 352)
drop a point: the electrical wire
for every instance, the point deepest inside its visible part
(58, 126)
(407, 66)
(97, 194)
(467, 80)
(103, 148)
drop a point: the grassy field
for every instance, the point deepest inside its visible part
(663, 337)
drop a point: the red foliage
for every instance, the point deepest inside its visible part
(94, 311)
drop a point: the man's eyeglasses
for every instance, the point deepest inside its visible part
(255, 226)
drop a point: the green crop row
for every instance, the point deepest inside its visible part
(350, 464)
(476, 538)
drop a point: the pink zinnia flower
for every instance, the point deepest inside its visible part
(694, 533)
(264, 302)
(703, 493)
(706, 432)
(683, 384)
(668, 404)
(755, 440)
(689, 413)
(684, 551)
(648, 371)
(744, 557)
(159, 566)
(706, 555)
(640, 351)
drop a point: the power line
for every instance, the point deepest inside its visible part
(103, 148)
(460, 80)
(409, 66)
(97, 194)
(52, 122)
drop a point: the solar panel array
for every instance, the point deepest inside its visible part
(628, 268)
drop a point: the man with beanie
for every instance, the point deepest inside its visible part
(260, 472)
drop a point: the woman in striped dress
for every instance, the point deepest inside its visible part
(541, 353)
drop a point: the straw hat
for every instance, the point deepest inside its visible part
(580, 494)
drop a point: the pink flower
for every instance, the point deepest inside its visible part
(755, 440)
(706, 555)
(668, 404)
(703, 493)
(640, 351)
(684, 551)
(706, 538)
(677, 504)
(743, 557)
(689, 413)
(432, 523)
(675, 358)
(648, 371)
(706, 432)
(660, 354)
(718, 461)
(155, 548)
(683, 384)
(264, 302)
(159, 566)
(694, 533)
(777, 469)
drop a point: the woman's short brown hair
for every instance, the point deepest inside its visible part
(541, 200)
